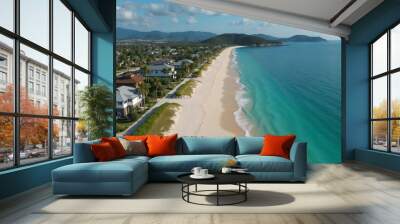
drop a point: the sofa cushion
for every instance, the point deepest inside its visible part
(206, 145)
(185, 163)
(116, 145)
(112, 171)
(275, 145)
(134, 147)
(103, 152)
(257, 163)
(159, 145)
(249, 145)
(83, 152)
(132, 158)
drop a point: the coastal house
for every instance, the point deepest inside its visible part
(130, 77)
(163, 61)
(179, 64)
(127, 98)
(161, 71)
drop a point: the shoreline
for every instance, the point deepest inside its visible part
(229, 100)
(210, 110)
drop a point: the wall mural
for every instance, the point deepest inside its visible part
(192, 71)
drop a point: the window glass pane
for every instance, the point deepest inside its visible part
(6, 74)
(379, 55)
(395, 47)
(81, 82)
(62, 138)
(62, 89)
(35, 21)
(395, 136)
(81, 45)
(6, 142)
(395, 94)
(7, 14)
(34, 96)
(33, 139)
(379, 135)
(379, 97)
(62, 29)
(81, 131)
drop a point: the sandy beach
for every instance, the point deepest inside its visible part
(210, 110)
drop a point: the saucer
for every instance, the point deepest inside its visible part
(208, 176)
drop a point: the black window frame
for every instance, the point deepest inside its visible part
(388, 74)
(16, 114)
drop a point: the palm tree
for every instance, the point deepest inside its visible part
(144, 90)
(157, 85)
(145, 70)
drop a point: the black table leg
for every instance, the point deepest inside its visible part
(245, 193)
(217, 194)
(195, 188)
(188, 190)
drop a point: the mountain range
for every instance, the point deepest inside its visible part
(207, 37)
(188, 36)
(239, 39)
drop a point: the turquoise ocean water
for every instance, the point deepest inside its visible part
(293, 89)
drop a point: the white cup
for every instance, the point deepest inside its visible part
(226, 170)
(196, 171)
(203, 172)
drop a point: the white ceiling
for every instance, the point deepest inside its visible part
(324, 16)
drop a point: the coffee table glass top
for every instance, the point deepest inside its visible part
(220, 178)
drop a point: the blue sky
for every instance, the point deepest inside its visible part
(163, 15)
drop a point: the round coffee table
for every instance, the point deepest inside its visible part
(238, 179)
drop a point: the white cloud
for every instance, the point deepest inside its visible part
(242, 22)
(191, 20)
(208, 12)
(142, 14)
(126, 15)
(266, 24)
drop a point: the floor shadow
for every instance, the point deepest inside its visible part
(256, 198)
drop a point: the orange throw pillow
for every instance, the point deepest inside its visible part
(136, 137)
(103, 152)
(277, 145)
(116, 145)
(161, 145)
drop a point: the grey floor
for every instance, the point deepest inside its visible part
(377, 188)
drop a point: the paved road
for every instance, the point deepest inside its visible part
(169, 97)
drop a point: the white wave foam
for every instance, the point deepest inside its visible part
(243, 101)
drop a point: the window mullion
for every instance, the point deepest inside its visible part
(389, 101)
(73, 82)
(16, 85)
(50, 81)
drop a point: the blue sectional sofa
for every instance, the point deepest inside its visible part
(125, 176)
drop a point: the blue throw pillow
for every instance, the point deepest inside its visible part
(207, 145)
(249, 145)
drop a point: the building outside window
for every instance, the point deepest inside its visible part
(56, 131)
(3, 71)
(30, 72)
(43, 77)
(3, 78)
(385, 91)
(30, 87)
(43, 90)
(38, 89)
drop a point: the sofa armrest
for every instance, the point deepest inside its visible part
(298, 155)
(83, 152)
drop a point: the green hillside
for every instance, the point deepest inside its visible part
(240, 39)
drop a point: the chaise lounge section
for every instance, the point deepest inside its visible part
(125, 176)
